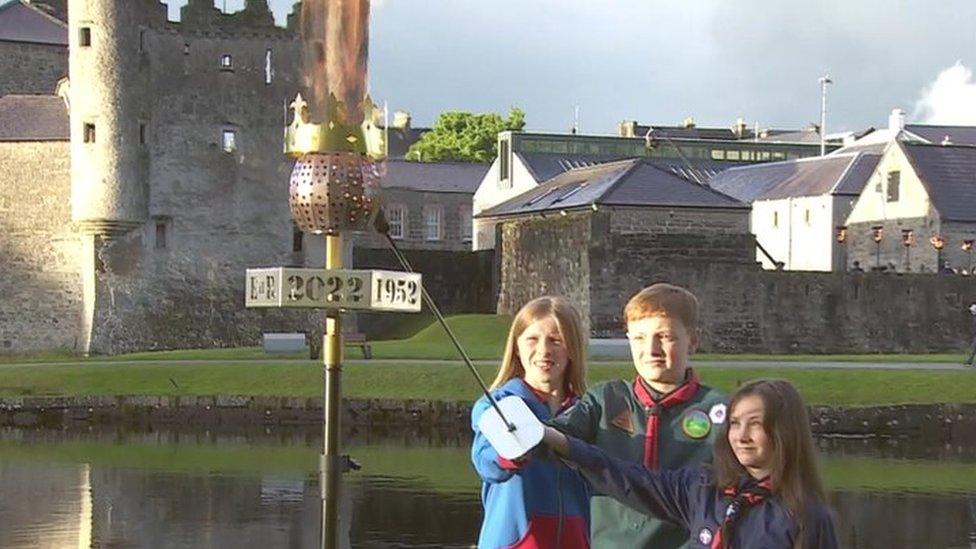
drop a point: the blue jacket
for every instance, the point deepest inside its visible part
(540, 504)
(690, 498)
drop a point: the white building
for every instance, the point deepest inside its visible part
(797, 206)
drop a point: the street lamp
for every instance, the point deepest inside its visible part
(877, 233)
(908, 240)
(824, 80)
(938, 243)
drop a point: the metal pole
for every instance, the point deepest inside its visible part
(824, 80)
(331, 464)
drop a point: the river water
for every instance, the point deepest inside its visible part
(115, 488)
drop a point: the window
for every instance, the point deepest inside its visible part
(142, 133)
(297, 238)
(775, 220)
(894, 180)
(230, 141)
(806, 217)
(731, 155)
(88, 132)
(226, 62)
(466, 229)
(718, 155)
(142, 40)
(432, 223)
(268, 71)
(160, 235)
(186, 48)
(84, 36)
(396, 216)
(504, 165)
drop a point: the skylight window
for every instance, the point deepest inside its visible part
(570, 193)
(539, 198)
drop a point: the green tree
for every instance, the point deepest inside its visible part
(465, 137)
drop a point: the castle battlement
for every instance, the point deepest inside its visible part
(256, 17)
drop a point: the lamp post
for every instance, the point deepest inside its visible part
(877, 232)
(908, 240)
(938, 243)
(967, 246)
(824, 80)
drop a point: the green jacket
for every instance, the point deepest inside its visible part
(611, 417)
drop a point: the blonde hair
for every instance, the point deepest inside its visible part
(663, 299)
(570, 327)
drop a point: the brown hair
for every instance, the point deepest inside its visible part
(663, 299)
(793, 471)
(570, 327)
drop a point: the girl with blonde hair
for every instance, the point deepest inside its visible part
(535, 503)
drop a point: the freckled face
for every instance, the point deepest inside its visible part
(661, 347)
(542, 353)
(750, 443)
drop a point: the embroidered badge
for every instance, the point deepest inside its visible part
(624, 421)
(705, 536)
(717, 413)
(696, 424)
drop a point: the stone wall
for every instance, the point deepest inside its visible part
(458, 282)
(743, 307)
(31, 68)
(545, 257)
(40, 298)
(890, 253)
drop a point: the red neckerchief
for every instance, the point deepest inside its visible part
(681, 395)
(544, 397)
(749, 495)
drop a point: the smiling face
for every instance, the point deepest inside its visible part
(661, 347)
(750, 443)
(543, 355)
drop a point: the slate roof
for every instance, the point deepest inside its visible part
(949, 176)
(844, 174)
(633, 182)
(439, 177)
(958, 135)
(545, 166)
(33, 118)
(22, 22)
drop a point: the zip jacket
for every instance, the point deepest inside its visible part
(535, 504)
(690, 498)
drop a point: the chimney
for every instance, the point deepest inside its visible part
(688, 122)
(627, 128)
(401, 120)
(896, 120)
(740, 127)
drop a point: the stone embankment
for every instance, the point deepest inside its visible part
(937, 422)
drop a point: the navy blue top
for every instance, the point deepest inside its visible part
(689, 497)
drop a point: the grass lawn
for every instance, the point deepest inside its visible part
(449, 382)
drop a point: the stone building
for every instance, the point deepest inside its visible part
(129, 218)
(918, 192)
(33, 46)
(525, 160)
(797, 205)
(580, 233)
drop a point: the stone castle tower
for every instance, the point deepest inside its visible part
(177, 178)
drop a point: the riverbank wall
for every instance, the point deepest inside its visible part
(947, 423)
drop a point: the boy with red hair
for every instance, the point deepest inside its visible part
(664, 418)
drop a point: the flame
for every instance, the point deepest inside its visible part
(335, 52)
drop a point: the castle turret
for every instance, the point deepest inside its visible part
(109, 112)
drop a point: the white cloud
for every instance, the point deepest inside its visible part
(950, 99)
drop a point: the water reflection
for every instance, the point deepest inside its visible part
(203, 489)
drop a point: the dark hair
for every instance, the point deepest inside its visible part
(793, 471)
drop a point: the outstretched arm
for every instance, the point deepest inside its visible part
(662, 494)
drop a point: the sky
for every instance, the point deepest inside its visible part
(661, 61)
